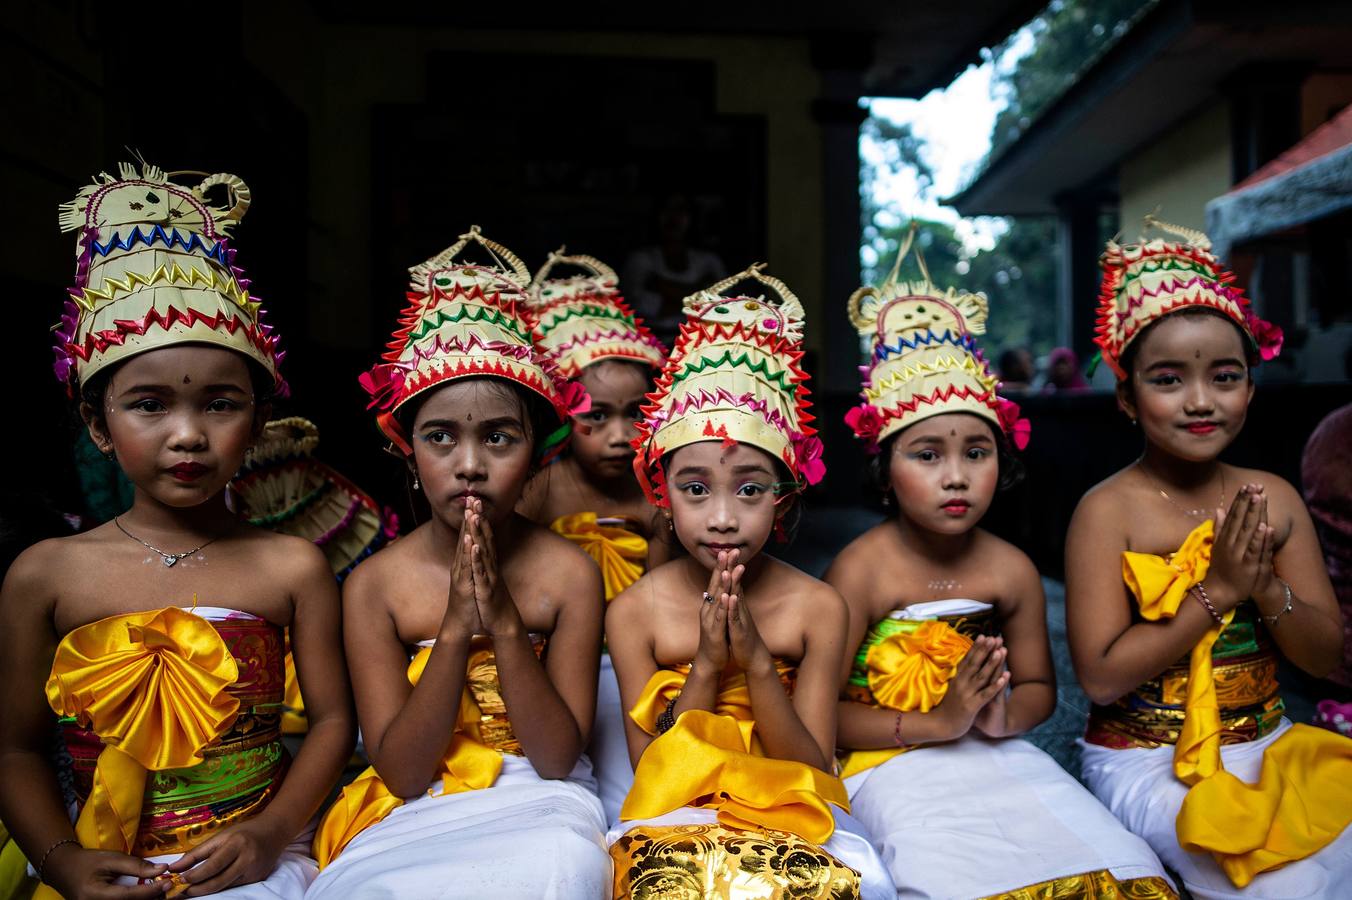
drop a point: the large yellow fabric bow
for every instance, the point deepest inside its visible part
(909, 670)
(152, 685)
(712, 760)
(621, 554)
(1303, 798)
(468, 765)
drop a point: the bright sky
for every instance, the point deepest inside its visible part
(955, 124)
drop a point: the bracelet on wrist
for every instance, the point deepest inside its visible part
(666, 719)
(1290, 605)
(43, 861)
(1200, 593)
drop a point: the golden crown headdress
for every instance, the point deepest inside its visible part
(464, 320)
(1145, 281)
(734, 376)
(925, 360)
(154, 269)
(582, 319)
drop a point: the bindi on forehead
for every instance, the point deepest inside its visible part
(187, 380)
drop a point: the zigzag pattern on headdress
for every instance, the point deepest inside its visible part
(909, 371)
(938, 396)
(416, 380)
(603, 337)
(170, 274)
(418, 325)
(193, 243)
(924, 339)
(99, 341)
(439, 346)
(722, 398)
(743, 360)
(577, 311)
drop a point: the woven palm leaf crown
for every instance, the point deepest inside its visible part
(1148, 280)
(925, 360)
(734, 376)
(463, 320)
(582, 319)
(154, 269)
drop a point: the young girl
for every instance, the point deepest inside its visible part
(952, 659)
(1184, 577)
(478, 785)
(157, 637)
(727, 658)
(590, 495)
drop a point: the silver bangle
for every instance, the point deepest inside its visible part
(1272, 620)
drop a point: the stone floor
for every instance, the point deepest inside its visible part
(826, 530)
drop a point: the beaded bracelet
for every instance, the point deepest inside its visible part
(667, 718)
(896, 732)
(1200, 593)
(1290, 605)
(43, 862)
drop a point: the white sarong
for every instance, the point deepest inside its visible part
(1139, 787)
(524, 837)
(609, 750)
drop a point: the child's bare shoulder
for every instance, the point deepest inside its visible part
(998, 554)
(804, 590)
(292, 557)
(1105, 501)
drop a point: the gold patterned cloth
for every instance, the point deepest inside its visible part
(172, 725)
(710, 860)
(620, 552)
(1092, 886)
(472, 760)
(1303, 798)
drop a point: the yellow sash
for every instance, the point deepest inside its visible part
(907, 671)
(713, 760)
(152, 685)
(620, 553)
(1303, 798)
(468, 765)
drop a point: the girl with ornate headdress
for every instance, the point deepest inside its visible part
(156, 639)
(473, 641)
(728, 660)
(589, 494)
(949, 659)
(1185, 577)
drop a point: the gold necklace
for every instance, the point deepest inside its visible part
(1191, 513)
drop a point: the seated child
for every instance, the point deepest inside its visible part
(728, 660)
(1185, 577)
(156, 638)
(473, 640)
(952, 660)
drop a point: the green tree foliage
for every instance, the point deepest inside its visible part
(1068, 36)
(1018, 277)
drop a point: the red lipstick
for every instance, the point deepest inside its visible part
(188, 471)
(1202, 427)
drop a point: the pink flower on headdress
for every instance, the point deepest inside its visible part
(574, 399)
(1017, 429)
(384, 383)
(867, 423)
(808, 452)
(1266, 335)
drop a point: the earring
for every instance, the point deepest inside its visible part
(887, 500)
(110, 455)
(416, 484)
(671, 525)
